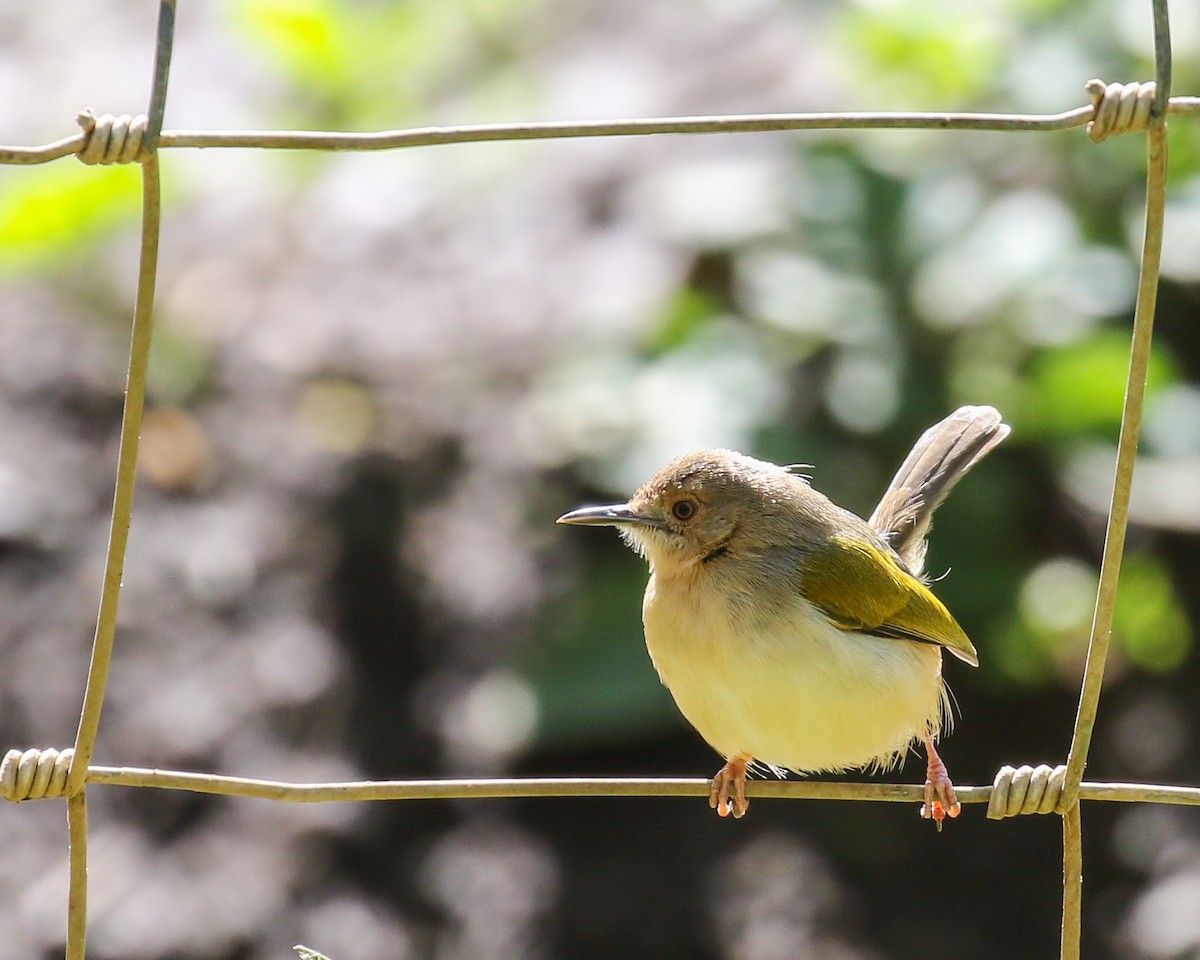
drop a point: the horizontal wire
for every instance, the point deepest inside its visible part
(480, 133)
(45, 153)
(476, 133)
(750, 123)
(586, 787)
(549, 130)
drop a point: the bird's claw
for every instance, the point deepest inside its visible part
(727, 790)
(940, 800)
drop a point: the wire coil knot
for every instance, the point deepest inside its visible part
(1025, 789)
(1119, 107)
(113, 139)
(35, 774)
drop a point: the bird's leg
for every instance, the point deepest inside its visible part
(940, 801)
(727, 792)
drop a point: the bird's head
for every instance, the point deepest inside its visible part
(704, 506)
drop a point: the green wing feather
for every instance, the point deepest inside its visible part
(860, 587)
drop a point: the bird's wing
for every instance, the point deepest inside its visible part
(861, 587)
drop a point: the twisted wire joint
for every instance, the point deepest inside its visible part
(113, 139)
(34, 774)
(1025, 789)
(1119, 107)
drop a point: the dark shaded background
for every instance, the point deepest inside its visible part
(377, 379)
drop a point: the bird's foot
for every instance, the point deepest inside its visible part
(940, 801)
(727, 791)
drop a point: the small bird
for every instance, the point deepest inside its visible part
(792, 634)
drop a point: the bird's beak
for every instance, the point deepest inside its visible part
(611, 516)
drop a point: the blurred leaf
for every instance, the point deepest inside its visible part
(1057, 601)
(932, 53)
(1149, 623)
(1185, 155)
(373, 64)
(349, 56)
(1034, 8)
(53, 210)
(1020, 655)
(689, 312)
(301, 36)
(1052, 622)
(1080, 388)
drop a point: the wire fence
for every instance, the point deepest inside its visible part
(1115, 108)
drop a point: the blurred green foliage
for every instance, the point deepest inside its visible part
(54, 211)
(1049, 633)
(364, 65)
(1078, 390)
(921, 55)
(1150, 625)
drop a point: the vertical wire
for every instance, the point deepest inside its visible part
(93, 699)
(1162, 59)
(131, 424)
(131, 418)
(77, 898)
(1072, 911)
(118, 538)
(1118, 517)
(1131, 417)
(165, 43)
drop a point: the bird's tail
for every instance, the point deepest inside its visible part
(943, 455)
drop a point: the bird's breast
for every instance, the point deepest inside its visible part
(777, 681)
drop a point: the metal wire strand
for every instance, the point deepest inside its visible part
(112, 139)
(1120, 107)
(1072, 907)
(569, 129)
(1025, 790)
(34, 774)
(1131, 422)
(1016, 790)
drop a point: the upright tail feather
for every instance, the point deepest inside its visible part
(943, 455)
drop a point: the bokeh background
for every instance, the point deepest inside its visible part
(378, 378)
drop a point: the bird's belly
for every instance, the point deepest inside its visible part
(791, 690)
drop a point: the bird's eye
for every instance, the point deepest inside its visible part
(683, 509)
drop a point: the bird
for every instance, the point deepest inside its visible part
(792, 634)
